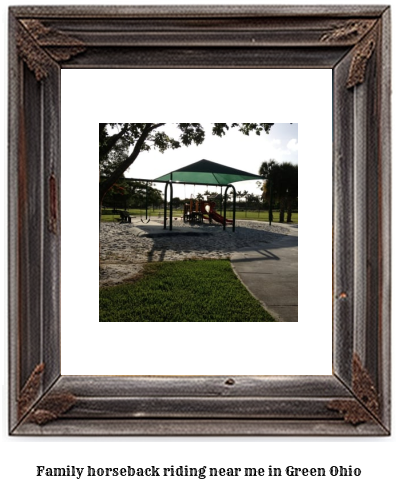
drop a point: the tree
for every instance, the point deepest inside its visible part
(290, 172)
(121, 143)
(281, 182)
(118, 196)
(176, 202)
(253, 199)
(207, 193)
(118, 153)
(212, 196)
(269, 172)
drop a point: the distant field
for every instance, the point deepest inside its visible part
(108, 216)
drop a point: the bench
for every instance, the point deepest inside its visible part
(124, 217)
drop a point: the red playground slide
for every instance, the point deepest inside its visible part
(208, 208)
(218, 218)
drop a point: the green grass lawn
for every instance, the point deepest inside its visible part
(182, 291)
(263, 215)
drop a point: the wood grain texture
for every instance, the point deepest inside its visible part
(211, 386)
(198, 427)
(206, 11)
(51, 242)
(226, 57)
(14, 93)
(246, 31)
(384, 144)
(29, 223)
(343, 175)
(44, 40)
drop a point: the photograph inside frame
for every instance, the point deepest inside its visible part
(206, 242)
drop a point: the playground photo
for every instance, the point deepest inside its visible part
(203, 242)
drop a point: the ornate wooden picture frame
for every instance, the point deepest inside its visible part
(352, 41)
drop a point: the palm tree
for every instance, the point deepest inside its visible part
(207, 193)
(281, 182)
(291, 173)
(239, 196)
(270, 172)
(245, 195)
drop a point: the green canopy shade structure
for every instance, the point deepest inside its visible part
(207, 172)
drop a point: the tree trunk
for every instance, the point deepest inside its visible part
(289, 210)
(282, 209)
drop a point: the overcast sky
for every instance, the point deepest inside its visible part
(234, 149)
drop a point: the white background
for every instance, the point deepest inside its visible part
(91, 347)
(377, 457)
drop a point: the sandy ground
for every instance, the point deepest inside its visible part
(125, 248)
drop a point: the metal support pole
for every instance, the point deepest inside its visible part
(171, 206)
(146, 200)
(224, 208)
(234, 207)
(164, 205)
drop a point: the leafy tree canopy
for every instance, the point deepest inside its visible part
(121, 143)
(282, 183)
(284, 177)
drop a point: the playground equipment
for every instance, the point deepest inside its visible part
(192, 211)
(205, 173)
(208, 209)
(196, 210)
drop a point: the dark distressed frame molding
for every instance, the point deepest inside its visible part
(353, 41)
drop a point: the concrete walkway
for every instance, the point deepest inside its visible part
(271, 275)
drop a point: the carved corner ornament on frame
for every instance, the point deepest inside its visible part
(353, 42)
